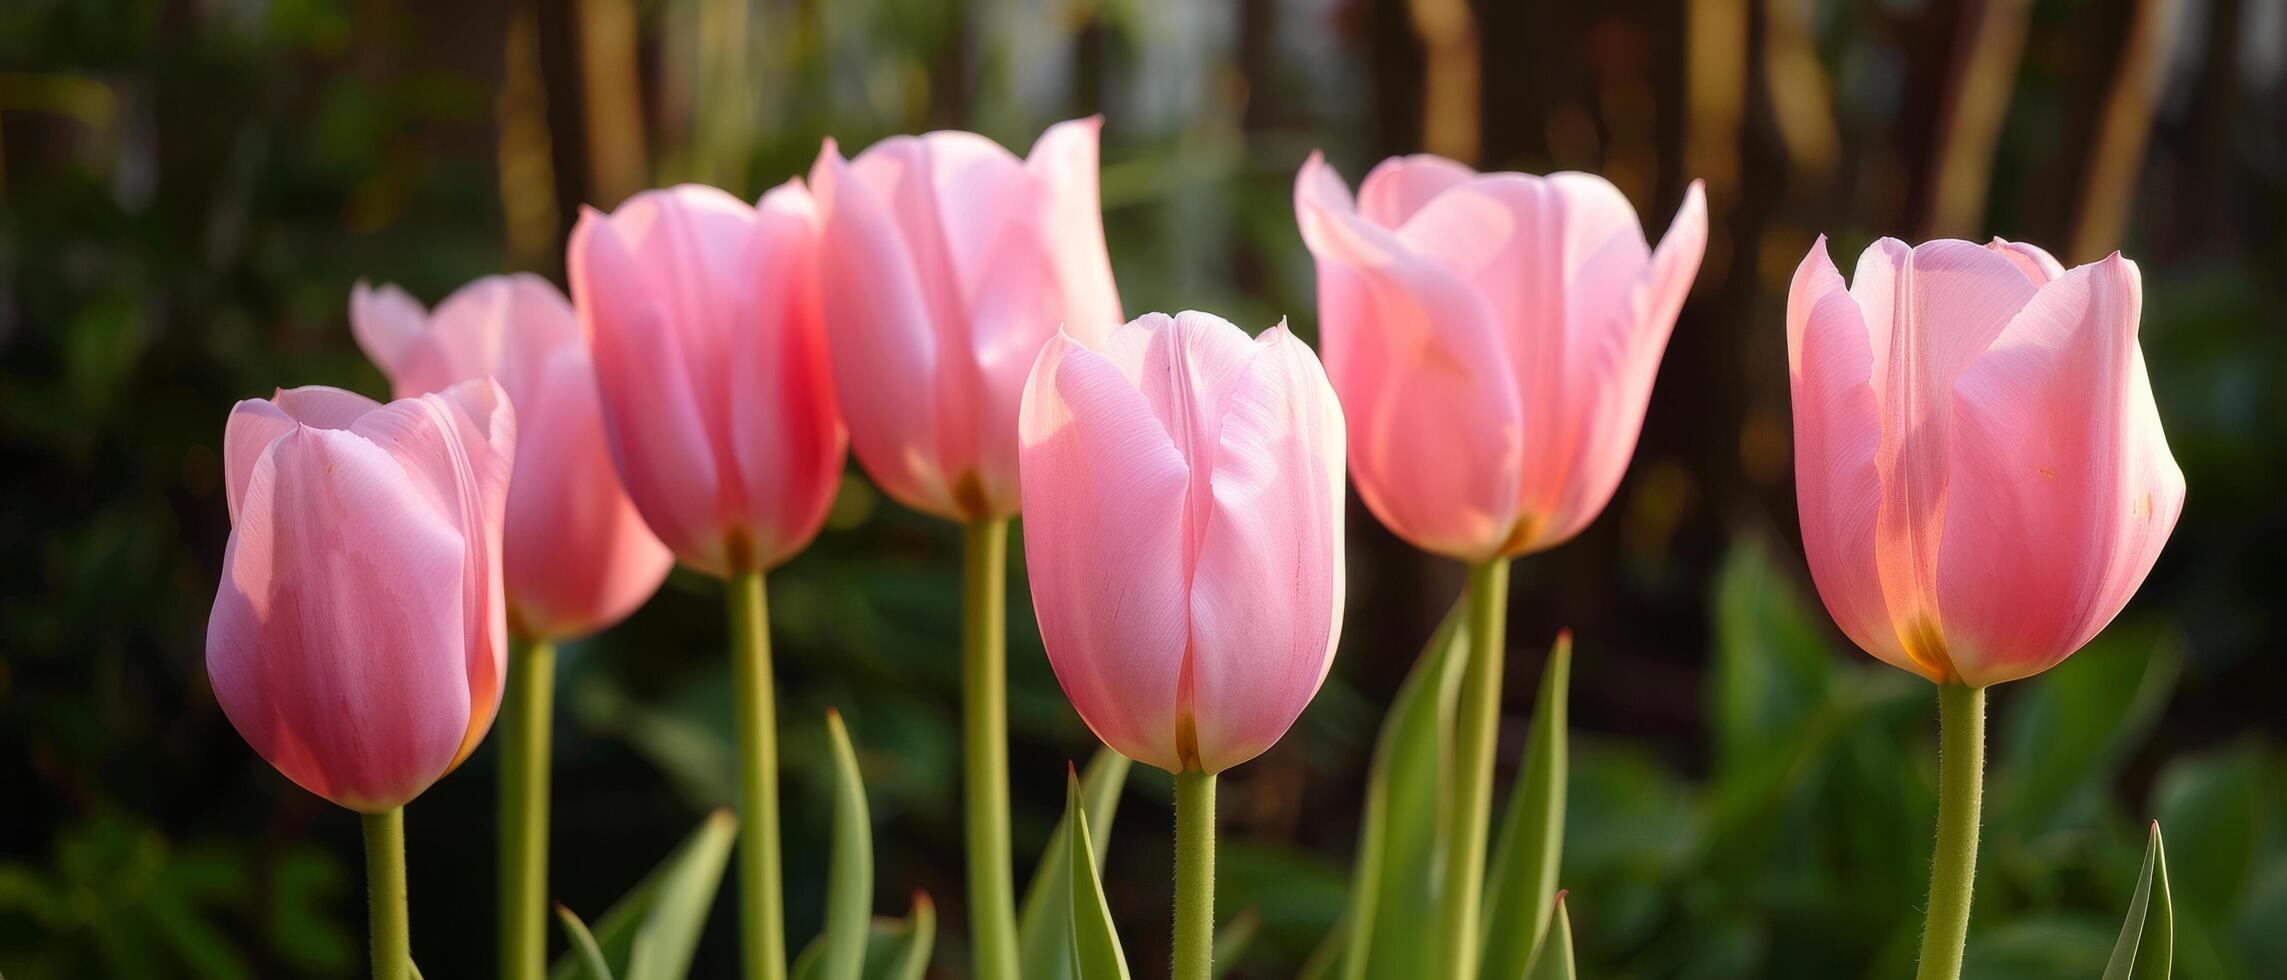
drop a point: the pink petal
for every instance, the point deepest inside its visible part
(336, 643)
(1838, 429)
(1400, 186)
(1104, 504)
(1267, 588)
(2071, 488)
(1018, 309)
(2036, 263)
(386, 322)
(254, 424)
(1186, 366)
(1930, 311)
(658, 437)
(1065, 161)
(578, 556)
(883, 338)
(320, 407)
(1435, 423)
(786, 436)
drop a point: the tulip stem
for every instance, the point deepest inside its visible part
(523, 822)
(385, 894)
(1194, 875)
(1953, 872)
(1479, 725)
(762, 926)
(984, 736)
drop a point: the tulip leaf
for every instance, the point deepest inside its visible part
(1044, 927)
(1232, 940)
(1095, 943)
(895, 949)
(1553, 959)
(2146, 948)
(1531, 845)
(1393, 887)
(586, 955)
(849, 885)
(653, 930)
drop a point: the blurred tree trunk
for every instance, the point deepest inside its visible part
(1990, 45)
(2116, 155)
(1450, 95)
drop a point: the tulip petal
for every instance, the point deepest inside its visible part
(387, 323)
(1071, 234)
(658, 437)
(1016, 314)
(254, 424)
(885, 350)
(1838, 430)
(786, 434)
(1267, 588)
(321, 407)
(1930, 311)
(1435, 436)
(1399, 186)
(2032, 260)
(1104, 500)
(1186, 367)
(336, 640)
(2076, 488)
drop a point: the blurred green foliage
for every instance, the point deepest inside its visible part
(189, 187)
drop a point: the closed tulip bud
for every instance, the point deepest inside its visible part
(946, 264)
(358, 636)
(702, 315)
(1978, 461)
(579, 557)
(1183, 526)
(1494, 338)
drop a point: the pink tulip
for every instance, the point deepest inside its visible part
(358, 636)
(1980, 467)
(1183, 527)
(703, 316)
(1494, 338)
(579, 557)
(946, 264)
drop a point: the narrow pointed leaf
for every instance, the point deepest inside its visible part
(896, 949)
(1523, 874)
(1044, 926)
(1095, 945)
(667, 909)
(2147, 945)
(1393, 888)
(587, 957)
(1231, 941)
(1553, 960)
(849, 887)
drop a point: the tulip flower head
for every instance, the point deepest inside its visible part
(1182, 493)
(702, 315)
(579, 557)
(1978, 460)
(357, 640)
(946, 263)
(1494, 338)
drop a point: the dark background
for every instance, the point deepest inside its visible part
(189, 187)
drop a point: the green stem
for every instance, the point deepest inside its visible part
(1194, 875)
(762, 925)
(385, 894)
(1953, 872)
(984, 738)
(1479, 725)
(523, 822)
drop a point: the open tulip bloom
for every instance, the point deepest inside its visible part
(1982, 478)
(945, 263)
(702, 313)
(1494, 338)
(1183, 498)
(578, 557)
(358, 635)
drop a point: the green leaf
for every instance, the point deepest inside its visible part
(2069, 728)
(1393, 888)
(2146, 948)
(849, 888)
(1044, 922)
(1095, 945)
(586, 955)
(1531, 845)
(1231, 941)
(896, 949)
(1553, 959)
(652, 931)
(1773, 662)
